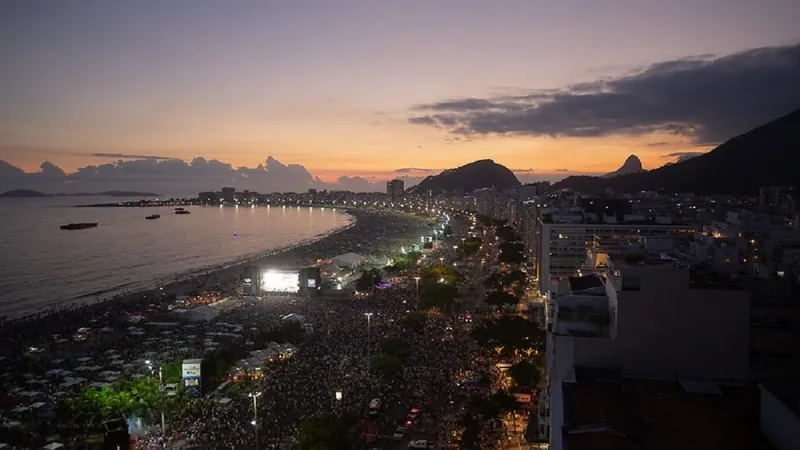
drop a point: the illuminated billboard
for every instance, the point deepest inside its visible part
(273, 280)
(190, 375)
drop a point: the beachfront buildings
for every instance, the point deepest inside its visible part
(395, 189)
(558, 238)
(628, 322)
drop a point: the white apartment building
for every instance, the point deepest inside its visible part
(648, 321)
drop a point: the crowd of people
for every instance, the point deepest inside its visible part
(335, 358)
(80, 335)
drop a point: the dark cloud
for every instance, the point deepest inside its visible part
(707, 98)
(127, 156)
(561, 170)
(167, 176)
(523, 170)
(178, 177)
(416, 169)
(657, 144)
(682, 156)
(358, 184)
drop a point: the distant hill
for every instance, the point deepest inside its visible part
(631, 165)
(767, 155)
(22, 193)
(475, 175)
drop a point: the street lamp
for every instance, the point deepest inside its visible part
(369, 349)
(255, 396)
(441, 261)
(417, 280)
(161, 389)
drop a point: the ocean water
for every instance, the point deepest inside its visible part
(42, 265)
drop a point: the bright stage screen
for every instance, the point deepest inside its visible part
(280, 281)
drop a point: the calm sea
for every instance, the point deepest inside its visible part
(41, 265)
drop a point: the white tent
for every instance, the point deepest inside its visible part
(202, 313)
(378, 261)
(348, 260)
(294, 318)
(53, 446)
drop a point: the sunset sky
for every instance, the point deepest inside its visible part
(354, 87)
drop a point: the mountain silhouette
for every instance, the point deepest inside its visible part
(765, 156)
(631, 165)
(480, 174)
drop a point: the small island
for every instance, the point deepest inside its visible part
(27, 193)
(22, 193)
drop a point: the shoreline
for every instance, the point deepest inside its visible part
(153, 285)
(368, 233)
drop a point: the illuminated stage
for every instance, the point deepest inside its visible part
(271, 280)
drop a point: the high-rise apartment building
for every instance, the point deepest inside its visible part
(647, 320)
(395, 189)
(228, 194)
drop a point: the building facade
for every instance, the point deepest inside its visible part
(562, 246)
(395, 189)
(648, 321)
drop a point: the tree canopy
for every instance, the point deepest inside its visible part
(481, 420)
(414, 320)
(512, 253)
(469, 247)
(325, 433)
(525, 374)
(506, 233)
(368, 279)
(437, 273)
(387, 365)
(407, 261)
(510, 334)
(140, 397)
(501, 298)
(437, 295)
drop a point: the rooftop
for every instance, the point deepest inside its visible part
(702, 277)
(604, 411)
(788, 394)
(583, 283)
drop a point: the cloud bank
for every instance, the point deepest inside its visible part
(707, 98)
(170, 176)
(682, 156)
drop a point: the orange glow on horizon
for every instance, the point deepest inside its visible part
(332, 147)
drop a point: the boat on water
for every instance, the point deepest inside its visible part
(153, 217)
(182, 211)
(78, 226)
(179, 209)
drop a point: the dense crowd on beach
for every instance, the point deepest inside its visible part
(334, 357)
(43, 354)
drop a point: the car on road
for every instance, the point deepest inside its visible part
(399, 434)
(422, 444)
(374, 406)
